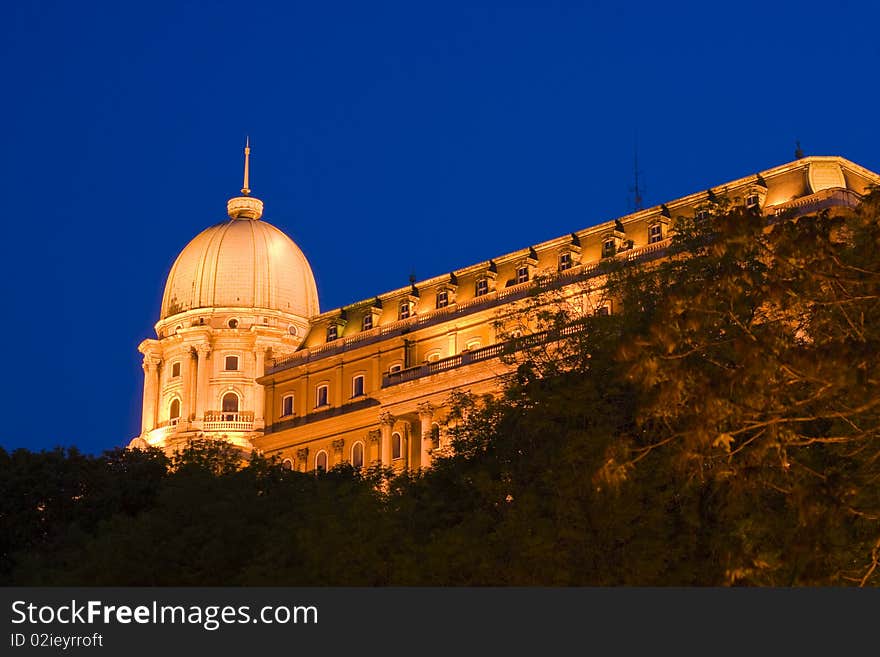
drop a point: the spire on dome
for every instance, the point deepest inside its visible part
(245, 206)
(247, 158)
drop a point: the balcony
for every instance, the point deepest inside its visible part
(228, 421)
(477, 355)
(834, 197)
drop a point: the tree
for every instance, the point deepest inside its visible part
(753, 349)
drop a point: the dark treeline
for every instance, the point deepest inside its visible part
(720, 427)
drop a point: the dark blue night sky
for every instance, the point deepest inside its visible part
(387, 138)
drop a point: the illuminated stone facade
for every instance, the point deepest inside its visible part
(370, 382)
(239, 293)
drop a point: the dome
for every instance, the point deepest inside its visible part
(241, 263)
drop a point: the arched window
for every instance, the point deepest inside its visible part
(357, 386)
(321, 461)
(357, 455)
(287, 464)
(396, 446)
(322, 395)
(287, 405)
(174, 411)
(229, 405)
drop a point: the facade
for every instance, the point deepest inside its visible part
(240, 292)
(369, 382)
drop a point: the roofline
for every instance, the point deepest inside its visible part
(559, 242)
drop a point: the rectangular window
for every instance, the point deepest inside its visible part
(442, 298)
(482, 287)
(357, 386)
(701, 215)
(609, 248)
(564, 261)
(522, 274)
(752, 200)
(231, 363)
(332, 332)
(322, 396)
(404, 310)
(287, 406)
(655, 233)
(367, 324)
(175, 369)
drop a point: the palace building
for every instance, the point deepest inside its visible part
(243, 353)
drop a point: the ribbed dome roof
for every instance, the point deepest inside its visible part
(241, 263)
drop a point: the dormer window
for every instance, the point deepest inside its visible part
(332, 332)
(565, 261)
(404, 310)
(752, 200)
(522, 273)
(370, 320)
(442, 298)
(655, 233)
(701, 214)
(609, 247)
(482, 287)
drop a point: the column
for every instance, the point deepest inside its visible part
(186, 393)
(339, 396)
(151, 394)
(269, 408)
(387, 424)
(452, 343)
(374, 436)
(426, 415)
(338, 446)
(302, 459)
(202, 377)
(259, 391)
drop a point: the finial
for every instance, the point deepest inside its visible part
(798, 152)
(245, 206)
(247, 157)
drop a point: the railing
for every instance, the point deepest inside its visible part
(228, 421)
(826, 198)
(173, 422)
(477, 355)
